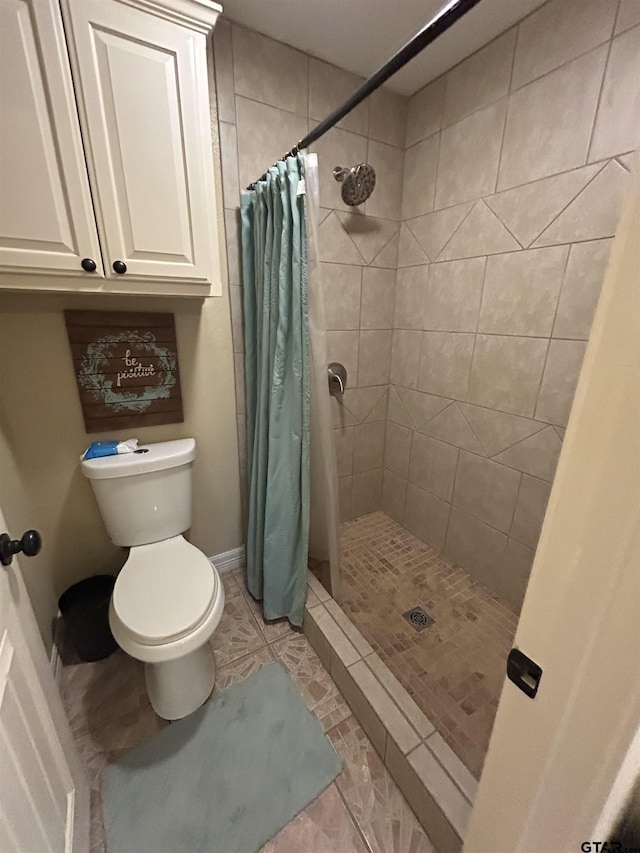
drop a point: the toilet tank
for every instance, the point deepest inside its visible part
(145, 496)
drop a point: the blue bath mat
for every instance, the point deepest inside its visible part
(224, 779)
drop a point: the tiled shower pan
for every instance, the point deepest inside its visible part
(434, 781)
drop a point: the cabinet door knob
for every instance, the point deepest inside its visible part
(88, 265)
(120, 267)
(30, 544)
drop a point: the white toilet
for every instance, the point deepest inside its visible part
(168, 598)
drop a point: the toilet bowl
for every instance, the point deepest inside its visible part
(168, 597)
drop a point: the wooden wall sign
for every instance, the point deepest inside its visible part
(127, 368)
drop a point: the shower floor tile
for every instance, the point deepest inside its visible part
(455, 668)
(109, 713)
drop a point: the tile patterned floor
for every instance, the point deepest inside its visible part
(454, 670)
(361, 812)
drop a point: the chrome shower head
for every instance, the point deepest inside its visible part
(357, 183)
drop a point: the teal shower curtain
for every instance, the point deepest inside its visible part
(277, 372)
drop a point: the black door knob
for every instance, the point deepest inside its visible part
(120, 267)
(30, 545)
(88, 265)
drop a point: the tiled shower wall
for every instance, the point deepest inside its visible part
(499, 189)
(269, 95)
(516, 167)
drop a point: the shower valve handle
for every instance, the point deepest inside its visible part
(337, 378)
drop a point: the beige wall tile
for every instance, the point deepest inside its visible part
(369, 233)
(481, 233)
(264, 134)
(329, 87)
(397, 449)
(335, 245)
(421, 801)
(628, 15)
(405, 358)
(236, 295)
(388, 117)
(419, 182)
(506, 373)
(223, 64)
(469, 156)
(486, 490)
(411, 297)
(528, 210)
(394, 492)
(479, 80)
(558, 32)
(521, 292)
(341, 291)
(536, 455)
(432, 465)
(424, 111)
(388, 162)
(475, 546)
(343, 348)
(397, 412)
(343, 439)
(345, 489)
(375, 357)
(410, 252)
(338, 148)
(426, 516)
(617, 126)
(445, 363)
(361, 402)
(453, 299)
(385, 708)
(581, 289)
(420, 406)
(549, 122)
(452, 426)
(367, 488)
(434, 230)
(368, 446)
(497, 431)
(559, 381)
(530, 509)
(229, 162)
(232, 234)
(515, 573)
(418, 720)
(270, 72)
(594, 213)
(378, 293)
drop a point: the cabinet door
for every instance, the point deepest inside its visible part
(47, 221)
(146, 123)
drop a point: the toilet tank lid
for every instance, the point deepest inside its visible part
(148, 458)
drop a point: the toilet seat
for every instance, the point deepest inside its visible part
(164, 592)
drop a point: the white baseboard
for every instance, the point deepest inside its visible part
(229, 560)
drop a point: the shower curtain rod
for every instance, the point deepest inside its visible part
(446, 17)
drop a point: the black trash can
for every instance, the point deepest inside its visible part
(85, 610)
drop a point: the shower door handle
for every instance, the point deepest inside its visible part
(337, 378)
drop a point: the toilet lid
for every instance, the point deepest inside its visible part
(164, 591)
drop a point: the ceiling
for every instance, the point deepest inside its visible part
(361, 35)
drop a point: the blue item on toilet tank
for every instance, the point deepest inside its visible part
(109, 448)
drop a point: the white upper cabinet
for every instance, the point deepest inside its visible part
(139, 69)
(46, 216)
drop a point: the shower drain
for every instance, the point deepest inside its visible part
(418, 618)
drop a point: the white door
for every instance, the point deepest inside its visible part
(559, 765)
(44, 793)
(47, 221)
(142, 84)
